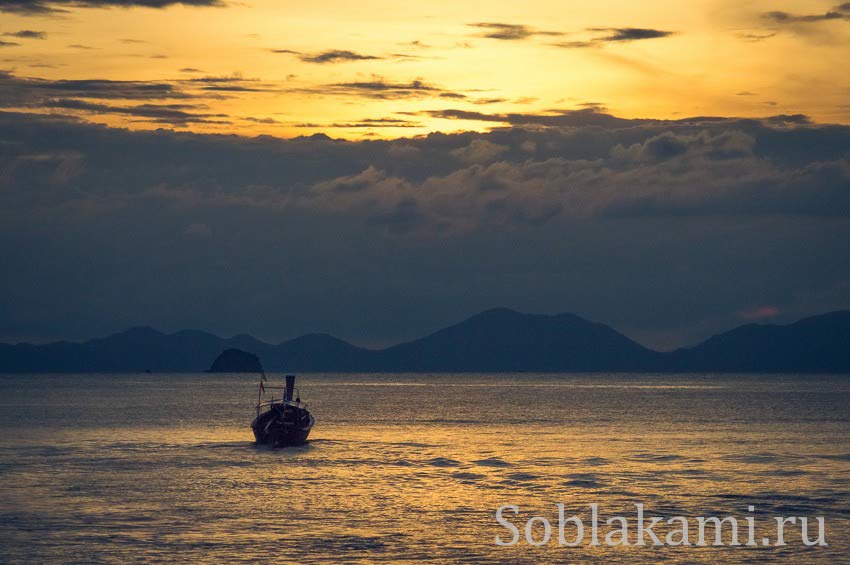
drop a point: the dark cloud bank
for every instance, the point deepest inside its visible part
(667, 230)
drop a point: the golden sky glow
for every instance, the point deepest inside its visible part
(402, 65)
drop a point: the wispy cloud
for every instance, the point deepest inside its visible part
(174, 114)
(840, 12)
(380, 89)
(52, 7)
(365, 123)
(615, 35)
(590, 115)
(16, 90)
(754, 36)
(329, 56)
(509, 32)
(27, 34)
(631, 33)
(230, 83)
(336, 56)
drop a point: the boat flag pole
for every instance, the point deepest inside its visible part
(260, 390)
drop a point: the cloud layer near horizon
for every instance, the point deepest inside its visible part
(668, 230)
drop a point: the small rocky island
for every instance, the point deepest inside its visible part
(236, 361)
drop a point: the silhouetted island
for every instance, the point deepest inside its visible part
(498, 340)
(236, 361)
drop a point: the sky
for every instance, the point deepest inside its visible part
(393, 69)
(380, 170)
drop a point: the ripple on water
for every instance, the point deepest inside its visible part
(838, 457)
(787, 504)
(655, 458)
(348, 543)
(583, 480)
(467, 476)
(492, 462)
(443, 462)
(523, 477)
(752, 458)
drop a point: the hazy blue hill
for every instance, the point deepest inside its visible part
(815, 344)
(496, 340)
(505, 340)
(321, 352)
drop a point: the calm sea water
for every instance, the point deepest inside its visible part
(128, 468)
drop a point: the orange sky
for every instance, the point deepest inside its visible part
(389, 69)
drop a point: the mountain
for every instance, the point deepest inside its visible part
(497, 340)
(505, 340)
(819, 344)
(322, 352)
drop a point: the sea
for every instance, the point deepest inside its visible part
(413, 468)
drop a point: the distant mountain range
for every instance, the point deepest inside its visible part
(498, 340)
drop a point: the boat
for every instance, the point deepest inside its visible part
(281, 422)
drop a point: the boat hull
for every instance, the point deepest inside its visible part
(282, 426)
(282, 438)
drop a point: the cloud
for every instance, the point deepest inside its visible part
(555, 118)
(575, 44)
(90, 97)
(329, 56)
(8, 43)
(365, 123)
(509, 32)
(233, 78)
(174, 114)
(336, 56)
(51, 7)
(631, 33)
(377, 240)
(27, 34)
(345, 56)
(614, 35)
(378, 88)
(486, 101)
(230, 83)
(840, 12)
(755, 37)
(479, 151)
(30, 92)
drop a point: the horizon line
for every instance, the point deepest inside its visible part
(395, 344)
